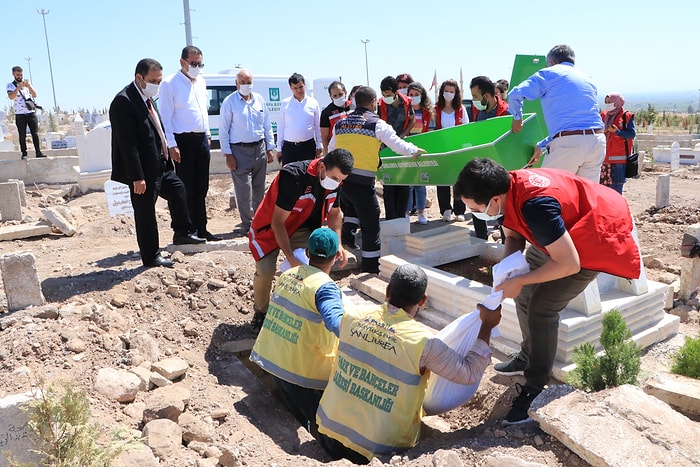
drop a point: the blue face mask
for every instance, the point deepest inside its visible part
(487, 217)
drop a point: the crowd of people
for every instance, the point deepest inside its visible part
(356, 377)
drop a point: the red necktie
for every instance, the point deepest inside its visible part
(156, 122)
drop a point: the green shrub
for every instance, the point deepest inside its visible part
(619, 364)
(686, 361)
(59, 419)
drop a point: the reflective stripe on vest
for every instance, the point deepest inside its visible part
(373, 402)
(294, 344)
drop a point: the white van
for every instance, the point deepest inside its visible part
(272, 88)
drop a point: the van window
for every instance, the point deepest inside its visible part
(216, 96)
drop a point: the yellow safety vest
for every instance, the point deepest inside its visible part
(356, 133)
(373, 402)
(294, 343)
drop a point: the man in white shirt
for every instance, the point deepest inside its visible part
(22, 94)
(299, 126)
(245, 133)
(182, 102)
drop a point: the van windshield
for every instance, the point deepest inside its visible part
(216, 96)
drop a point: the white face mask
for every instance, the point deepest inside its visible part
(329, 184)
(340, 101)
(403, 91)
(151, 90)
(479, 105)
(449, 96)
(388, 100)
(487, 217)
(608, 107)
(353, 105)
(245, 89)
(415, 100)
(193, 72)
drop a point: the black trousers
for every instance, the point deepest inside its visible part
(171, 189)
(193, 170)
(444, 194)
(301, 402)
(302, 151)
(361, 204)
(395, 201)
(22, 121)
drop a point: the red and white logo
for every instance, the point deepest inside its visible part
(538, 180)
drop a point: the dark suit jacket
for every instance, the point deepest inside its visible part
(136, 146)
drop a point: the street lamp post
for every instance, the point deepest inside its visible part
(365, 41)
(29, 65)
(43, 14)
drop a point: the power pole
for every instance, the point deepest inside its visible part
(365, 41)
(43, 14)
(188, 23)
(29, 65)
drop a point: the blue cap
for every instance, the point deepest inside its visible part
(323, 243)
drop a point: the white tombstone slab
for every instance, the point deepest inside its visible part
(98, 146)
(675, 156)
(118, 199)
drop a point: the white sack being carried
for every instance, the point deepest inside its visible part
(441, 394)
(299, 254)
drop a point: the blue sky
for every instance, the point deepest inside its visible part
(628, 47)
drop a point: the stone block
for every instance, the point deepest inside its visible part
(675, 156)
(15, 434)
(680, 392)
(21, 280)
(10, 202)
(22, 192)
(15, 232)
(235, 244)
(663, 191)
(690, 267)
(617, 427)
(58, 221)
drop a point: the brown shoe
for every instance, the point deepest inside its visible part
(257, 322)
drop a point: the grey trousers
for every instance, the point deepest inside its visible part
(538, 307)
(249, 179)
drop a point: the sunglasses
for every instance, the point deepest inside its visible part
(196, 65)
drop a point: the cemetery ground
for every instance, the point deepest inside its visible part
(105, 311)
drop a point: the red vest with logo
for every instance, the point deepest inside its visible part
(459, 116)
(405, 101)
(261, 238)
(615, 151)
(598, 219)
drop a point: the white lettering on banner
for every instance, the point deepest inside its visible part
(409, 164)
(118, 199)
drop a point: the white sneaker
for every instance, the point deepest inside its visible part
(460, 218)
(422, 219)
(447, 215)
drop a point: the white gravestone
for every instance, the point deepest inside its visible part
(675, 156)
(118, 199)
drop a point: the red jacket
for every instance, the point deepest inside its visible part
(261, 238)
(405, 101)
(598, 220)
(615, 151)
(501, 109)
(459, 116)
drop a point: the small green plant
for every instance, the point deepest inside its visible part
(686, 361)
(619, 364)
(59, 419)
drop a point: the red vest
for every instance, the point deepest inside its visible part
(501, 109)
(597, 218)
(424, 123)
(406, 102)
(261, 238)
(615, 151)
(459, 117)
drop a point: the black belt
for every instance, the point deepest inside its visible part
(193, 133)
(297, 143)
(592, 131)
(255, 143)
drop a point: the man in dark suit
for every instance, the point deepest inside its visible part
(140, 160)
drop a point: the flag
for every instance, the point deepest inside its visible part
(434, 83)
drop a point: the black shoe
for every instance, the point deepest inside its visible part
(518, 411)
(350, 246)
(24, 156)
(159, 261)
(187, 239)
(513, 367)
(40, 155)
(208, 236)
(257, 322)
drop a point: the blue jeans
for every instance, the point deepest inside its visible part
(420, 194)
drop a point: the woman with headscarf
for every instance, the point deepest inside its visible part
(619, 135)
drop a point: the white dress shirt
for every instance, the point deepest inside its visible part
(183, 106)
(244, 121)
(299, 121)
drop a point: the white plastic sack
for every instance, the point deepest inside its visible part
(441, 394)
(299, 254)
